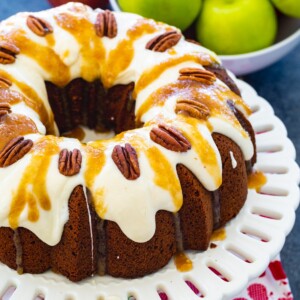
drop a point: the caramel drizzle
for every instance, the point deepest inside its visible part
(45, 56)
(32, 189)
(151, 75)
(203, 148)
(120, 58)
(30, 99)
(214, 97)
(93, 54)
(165, 176)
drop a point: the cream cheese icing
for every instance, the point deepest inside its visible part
(131, 204)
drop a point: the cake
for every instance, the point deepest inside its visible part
(175, 170)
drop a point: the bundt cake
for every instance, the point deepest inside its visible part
(175, 170)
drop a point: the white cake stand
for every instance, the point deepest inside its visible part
(252, 240)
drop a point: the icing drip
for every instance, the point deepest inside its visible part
(233, 161)
(216, 208)
(19, 251)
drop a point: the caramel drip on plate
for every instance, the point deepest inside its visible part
(32, 189)
(182, 262)
(14, 125)
(256, 180)
(151, 75)
(218, 235)
(30, 99)
(92, 51)
(77, 133)
(120, 58)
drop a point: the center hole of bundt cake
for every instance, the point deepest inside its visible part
(87, 111)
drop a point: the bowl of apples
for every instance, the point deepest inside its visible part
(248, 35)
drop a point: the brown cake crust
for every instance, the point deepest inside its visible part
(128, 259)
(72, 257)
(196, 213)
(234, 189)
(36, 255)
(7, 247)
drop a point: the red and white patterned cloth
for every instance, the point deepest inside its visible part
(271, 285)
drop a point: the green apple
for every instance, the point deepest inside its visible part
(174, 12)
(288, 7)
(236, 26)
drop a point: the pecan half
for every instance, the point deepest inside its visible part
(4, 109)
(69, 162)
(196, 74)
(164, 41)
(193, 109)
(170, 138)
(8, 52)
(106, 24)
(126, 160)
(5, 83)
(14, 151)
(39, 26)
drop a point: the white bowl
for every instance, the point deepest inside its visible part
(287, 39)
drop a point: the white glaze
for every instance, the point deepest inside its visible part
(233, 160)
(132, 204)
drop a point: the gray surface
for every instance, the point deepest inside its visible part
(279, 84)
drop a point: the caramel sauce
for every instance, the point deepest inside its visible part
(95, 161)
(13, 125)
(120, 58)
(30, 98)
(45, 57)
(202, 147)
(256, 180)
(219, 235)
(182, 262)
(164, 175)
(149, 76)
(172, 51)
(32, 189)
(50, 40)
(92, 54)
(77, 133)
(213, 96)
